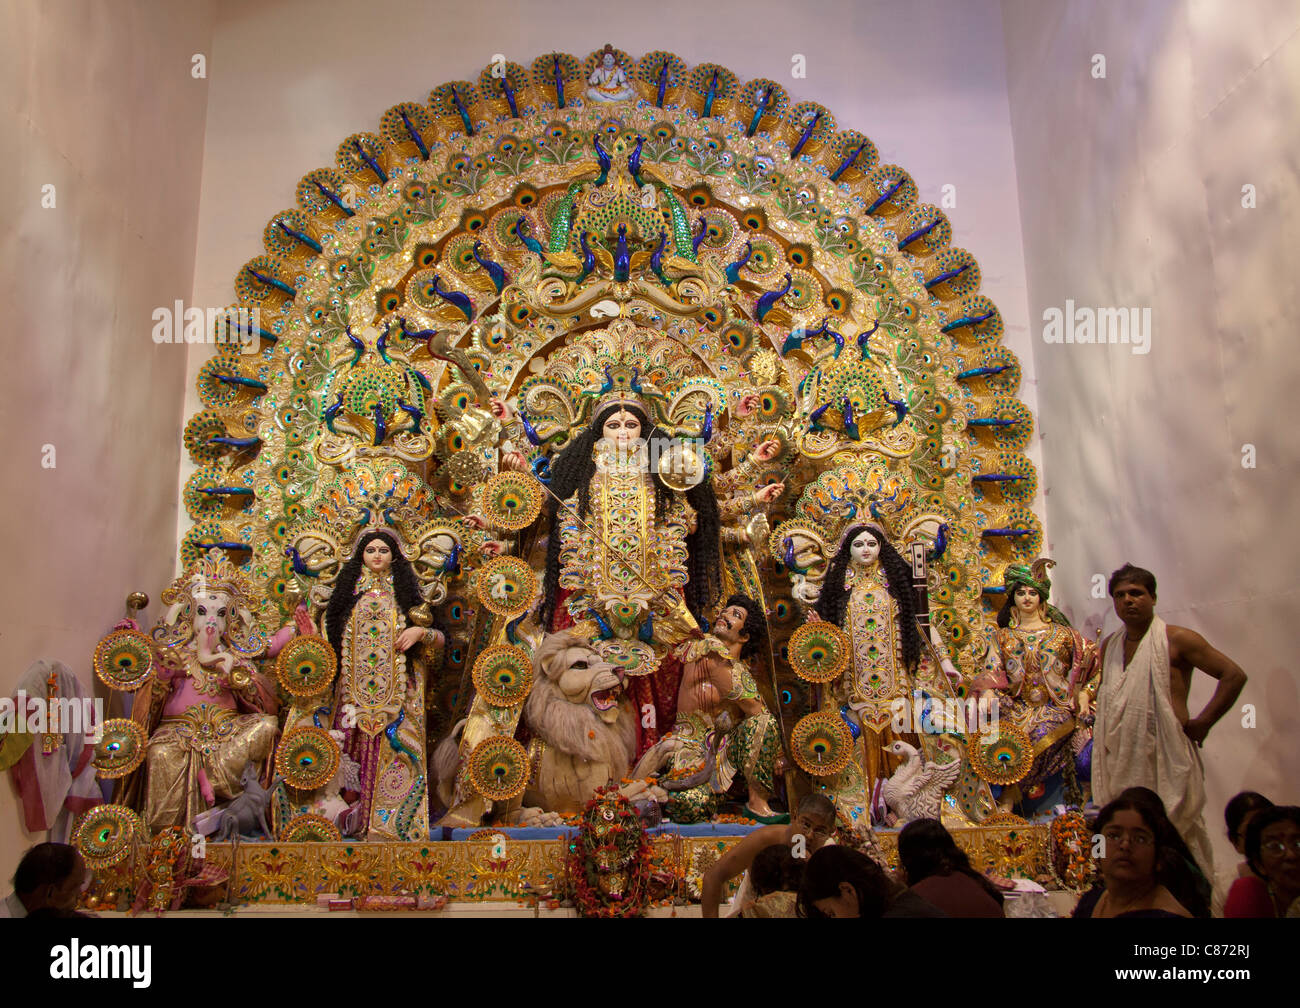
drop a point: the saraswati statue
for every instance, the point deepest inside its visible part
(889, 679)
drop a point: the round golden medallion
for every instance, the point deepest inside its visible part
(683, 466)
(499, 768)
(308, 757)
(1002, 757)
(821, 744)
(121, 748)
(819, 652)
(309, 828)
(507, 586)
(512, 500)
(305, 666)
(123, 660)
(503, 675)
(104, 835)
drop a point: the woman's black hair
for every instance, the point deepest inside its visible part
(925, 848)
(775, 869)
(1254, 832)
(834, 864)
(1174, 866)
(898, 579)
(406, 589)
(572, 472)
(1240, 806)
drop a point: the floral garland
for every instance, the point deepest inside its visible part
(611, 832)
(1070, 844)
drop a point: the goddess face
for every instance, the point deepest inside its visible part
(211, 614)
(865, 548)
(1027, 600)
(622, 429)
(377, 556)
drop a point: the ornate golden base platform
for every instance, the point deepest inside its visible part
(502, 868)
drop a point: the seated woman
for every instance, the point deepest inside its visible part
(938, 871)
(842, 882)
(1237, 816)
(1273, 852)
(1137, 857)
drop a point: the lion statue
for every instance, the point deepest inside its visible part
(583, 725)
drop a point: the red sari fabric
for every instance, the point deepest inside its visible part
(1249, 897)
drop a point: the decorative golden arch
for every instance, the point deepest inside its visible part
(448, 254)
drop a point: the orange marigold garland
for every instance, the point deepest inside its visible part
(1069, 854)
(609, 859)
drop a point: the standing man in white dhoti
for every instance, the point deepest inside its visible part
(1144, 736)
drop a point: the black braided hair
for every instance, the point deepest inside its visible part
(704, 565)
(406, 589)
(898, 580)
(572, 472)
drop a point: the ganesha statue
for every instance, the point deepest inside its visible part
(208, 709)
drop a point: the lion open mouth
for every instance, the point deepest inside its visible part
(605, 699)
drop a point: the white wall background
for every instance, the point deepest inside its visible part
(97, 100)
(1130, 191)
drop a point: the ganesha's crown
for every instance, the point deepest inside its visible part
(214, 572)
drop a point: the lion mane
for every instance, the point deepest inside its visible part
(580, 745)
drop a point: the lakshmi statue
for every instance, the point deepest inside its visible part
(379, 706)
(212, 712)
(867, 592)
(1036, 665)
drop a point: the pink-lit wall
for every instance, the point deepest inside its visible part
(1131, 194)
(98, 101)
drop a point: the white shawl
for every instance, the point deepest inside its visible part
(1139, 740)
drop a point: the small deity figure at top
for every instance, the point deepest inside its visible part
(608, 82)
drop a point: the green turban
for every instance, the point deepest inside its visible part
(1019, 574)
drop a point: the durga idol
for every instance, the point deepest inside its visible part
(625, 551)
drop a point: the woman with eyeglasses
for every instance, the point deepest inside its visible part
(1135, 859)
(1273, 853)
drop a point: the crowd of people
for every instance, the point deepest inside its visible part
(1144, 868)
